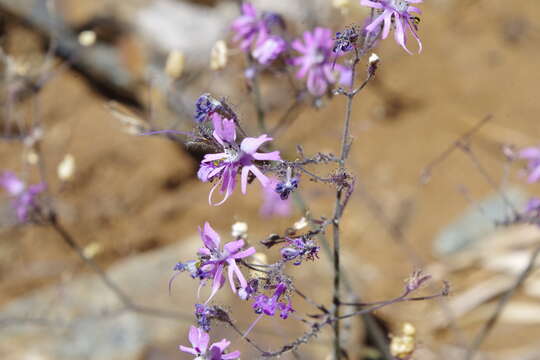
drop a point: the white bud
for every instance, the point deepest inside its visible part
(374, 59)
(218, 55)
(175, 64)
(66, 168)
(87, 38)
(239, 229)
(300, 224)
(32, 157)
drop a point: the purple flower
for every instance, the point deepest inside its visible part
(532, 154)
(267, 50)
(248, 27)
(269, 305)
(397, 13)
(273, 203)
(214, 260)
(253, 33)
(316, 61)
(24, 198)
(235, 158)
(199, 340)
(533, 206)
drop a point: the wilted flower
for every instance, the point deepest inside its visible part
(66, 168)
(24, 198)
(316, 61)
(205, 106)
(199, 340)
(300, 248)
(395, 13)
(416, 280)
(532, 155)
(235, 158)
(345, 40)
(269, 305)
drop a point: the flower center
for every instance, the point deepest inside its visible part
(399, 5)
(319, 56)
(233, 155)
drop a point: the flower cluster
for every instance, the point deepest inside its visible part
(235, 158)
(24, 197)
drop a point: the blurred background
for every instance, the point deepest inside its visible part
(134, 203)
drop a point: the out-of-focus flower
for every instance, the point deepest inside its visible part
(235, 158)
(253, 33)
(532, 155)
(268, 50)
(199, 340)
(273, 203)
(218, 55)
(395, 13)
(342, 5)
(403, 346)
(87, 38)
(239, 230)
(300, 224)
(24, 197)
(316, 63)
(66, 168)
(174, 67)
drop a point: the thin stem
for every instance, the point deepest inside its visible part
(338, 211)
(490, 324)
(124, 299)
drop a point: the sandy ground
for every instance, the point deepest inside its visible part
(132, 194)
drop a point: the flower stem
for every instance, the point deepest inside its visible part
(338, 211)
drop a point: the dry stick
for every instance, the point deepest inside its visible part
(490, 324)
(317, 327)
(120, 294)
(489, 179)
(426, 173)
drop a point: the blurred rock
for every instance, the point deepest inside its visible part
(79, 319)
(477, 222)
(172, 25)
